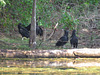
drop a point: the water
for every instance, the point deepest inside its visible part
(50, 66)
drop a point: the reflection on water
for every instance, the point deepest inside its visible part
(47, 63)
(57, 64)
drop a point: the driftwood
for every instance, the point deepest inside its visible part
(68, 53)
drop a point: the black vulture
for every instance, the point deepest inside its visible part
(39, 30)
(63, 40)
(23, 31)
(28, 27)
(74, 40)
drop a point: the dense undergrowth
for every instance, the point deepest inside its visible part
(67, 13)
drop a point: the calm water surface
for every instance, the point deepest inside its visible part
(59, 64)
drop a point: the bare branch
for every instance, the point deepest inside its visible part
(53, 31)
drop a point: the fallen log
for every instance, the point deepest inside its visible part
(66, 53)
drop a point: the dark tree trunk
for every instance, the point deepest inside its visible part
(32, 40)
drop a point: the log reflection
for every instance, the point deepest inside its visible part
(48, 63)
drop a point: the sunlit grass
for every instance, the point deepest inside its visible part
(14, 40)
(82, 70)
(14, 43)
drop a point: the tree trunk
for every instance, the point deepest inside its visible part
(32, 40)
(44, 35)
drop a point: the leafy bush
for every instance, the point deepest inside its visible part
(65, 12)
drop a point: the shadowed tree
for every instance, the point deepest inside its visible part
(32, 40)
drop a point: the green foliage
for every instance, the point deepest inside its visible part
(94, 2)
(15, 11)
(2, 3)
(69, 21)
(44, 10)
